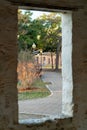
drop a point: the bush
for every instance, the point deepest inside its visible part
(27, 71)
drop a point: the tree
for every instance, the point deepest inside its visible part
(45, 32)
(24, 21)
(29, 31)
(36, 32)
(52, 39)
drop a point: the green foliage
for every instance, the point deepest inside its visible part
(28, 31)
(24, 21)
(45, 32)
(52, 25)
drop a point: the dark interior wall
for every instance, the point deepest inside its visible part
(57, 4)
(8, 66)
(80, 68)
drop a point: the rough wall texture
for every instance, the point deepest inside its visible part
(50, 3)
(8, 75)
(8, 61)
(80, 68)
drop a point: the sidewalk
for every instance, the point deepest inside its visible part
(48, 106)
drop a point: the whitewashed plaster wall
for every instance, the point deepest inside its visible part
(67, 81)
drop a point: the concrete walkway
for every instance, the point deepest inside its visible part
(48, 106)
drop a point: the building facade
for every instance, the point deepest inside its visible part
(46, 60)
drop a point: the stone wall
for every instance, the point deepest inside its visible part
(8, 66)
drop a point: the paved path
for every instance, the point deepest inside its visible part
(41, 107)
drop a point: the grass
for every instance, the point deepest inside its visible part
(38, 90)
(50, 67)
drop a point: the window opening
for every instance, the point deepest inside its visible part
(40, 89)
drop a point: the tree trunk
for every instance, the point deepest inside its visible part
(57, 54)
(52, 60)
(57, 58)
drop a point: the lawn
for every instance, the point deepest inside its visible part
(38, 90)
